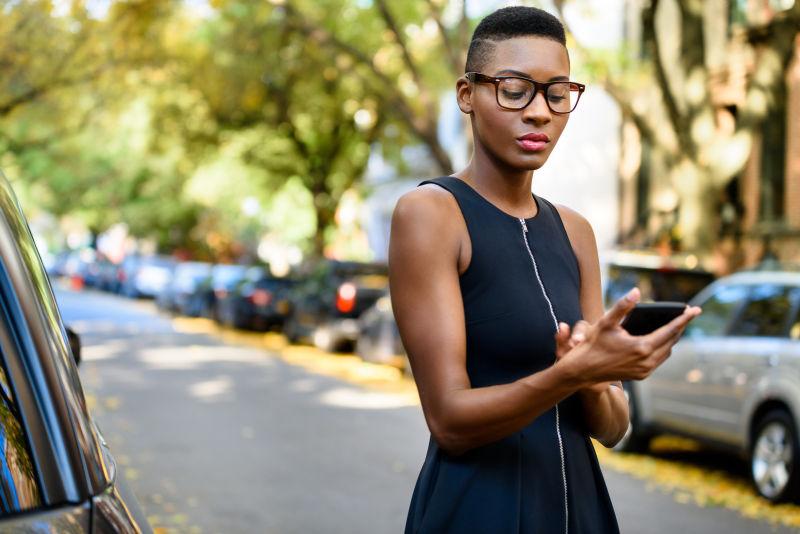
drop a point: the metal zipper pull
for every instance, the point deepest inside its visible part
(524, 226)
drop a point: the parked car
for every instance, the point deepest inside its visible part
(57, 474)
(185, 278)
(202, 300)
(144, 276)
(259, 304)
(733, 380)
(107, 275)
(379, 338)
(673, 278)
(327, 304)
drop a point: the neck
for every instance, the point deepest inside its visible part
(508, 188)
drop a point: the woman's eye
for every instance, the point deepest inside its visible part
(513, 95)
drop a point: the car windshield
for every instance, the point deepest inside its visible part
(224, 274)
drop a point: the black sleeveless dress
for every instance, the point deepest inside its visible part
(522, 278)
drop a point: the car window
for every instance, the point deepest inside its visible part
(766, 312)
(19, 490)
(718, 310)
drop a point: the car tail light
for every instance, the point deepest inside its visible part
(346, 298)
(261, 297)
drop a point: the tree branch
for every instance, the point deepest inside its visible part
(618, 93)
(422, 126)
(452, 51)
(678, 122)
(391, 23)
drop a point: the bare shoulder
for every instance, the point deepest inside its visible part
(428, 211)
(579, 230)
(427, 201)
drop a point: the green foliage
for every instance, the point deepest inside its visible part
(172, 121)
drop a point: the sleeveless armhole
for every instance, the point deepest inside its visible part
(565, 236)
(442, 182)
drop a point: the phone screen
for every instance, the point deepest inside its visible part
(649, 316)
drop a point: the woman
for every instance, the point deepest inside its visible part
(486, 280)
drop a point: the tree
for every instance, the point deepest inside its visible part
(672, 95)
(396, 48)
(313, 119)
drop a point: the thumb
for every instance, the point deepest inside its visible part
(621, 308)
(562, 339)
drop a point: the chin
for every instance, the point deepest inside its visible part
(530, 162)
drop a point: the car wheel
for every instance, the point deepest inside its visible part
(635, 439)
(324, 339)
(774, 457)
(291, 331)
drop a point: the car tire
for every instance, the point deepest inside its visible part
(291, 331)
(324, 339)
(774, 461)
(635, 438)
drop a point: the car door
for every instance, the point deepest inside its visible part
(37, 486)
(679, 399)
(51, 464)
(755, 343)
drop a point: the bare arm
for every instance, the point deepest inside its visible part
(605, 407)
(427, 235)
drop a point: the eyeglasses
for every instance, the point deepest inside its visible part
(515, 92)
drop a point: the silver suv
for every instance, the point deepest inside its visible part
(733, 380)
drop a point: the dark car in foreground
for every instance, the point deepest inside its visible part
(259, 304)
(56, 471)
(327, 304)
(733, 380)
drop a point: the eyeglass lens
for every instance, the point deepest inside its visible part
(515, 93)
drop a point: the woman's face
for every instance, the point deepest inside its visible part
(498, 131)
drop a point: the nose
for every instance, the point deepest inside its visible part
(537, 111)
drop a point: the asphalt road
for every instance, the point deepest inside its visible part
(223, 438)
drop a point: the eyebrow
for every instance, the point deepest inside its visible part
(525, 75)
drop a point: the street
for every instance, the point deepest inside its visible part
(215, 436)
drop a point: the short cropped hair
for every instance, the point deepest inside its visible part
(507, 23)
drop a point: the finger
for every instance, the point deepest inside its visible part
(563, 332)
(661, 354)
(579, 333)
(562, 339)
(621, 308)
(672, 328)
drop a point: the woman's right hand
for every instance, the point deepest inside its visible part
(609, 353)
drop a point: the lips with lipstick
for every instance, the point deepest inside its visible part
(533, 142)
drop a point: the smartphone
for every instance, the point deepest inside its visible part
(649, 316)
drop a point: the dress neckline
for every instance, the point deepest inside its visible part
(499, 210)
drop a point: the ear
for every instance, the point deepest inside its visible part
(464, 95)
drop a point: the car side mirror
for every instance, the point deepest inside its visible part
(74, 344)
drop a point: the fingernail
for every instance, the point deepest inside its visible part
(633, 295)
(578, 337)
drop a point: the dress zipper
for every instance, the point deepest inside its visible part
(555, 322)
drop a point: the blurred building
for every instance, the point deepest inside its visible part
(756, 216)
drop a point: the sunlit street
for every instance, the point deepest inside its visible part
(220, 436)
